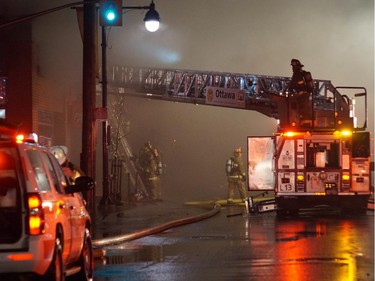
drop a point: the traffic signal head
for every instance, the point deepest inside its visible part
(110, 12)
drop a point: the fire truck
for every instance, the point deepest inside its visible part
(320, 151)
(323, 159)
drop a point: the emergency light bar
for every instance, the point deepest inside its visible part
(345, 133)
(31, 138)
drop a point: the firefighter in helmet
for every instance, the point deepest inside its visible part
(144, 153)
(71, 171)
(236, 176)
(151, 166)
(301, 88)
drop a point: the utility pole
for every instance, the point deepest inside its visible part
(88, 159)
(106, 199)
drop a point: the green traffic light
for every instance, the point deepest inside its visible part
(110, 15)
(110, 12)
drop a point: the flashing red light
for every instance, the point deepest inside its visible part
(20, 138)
(290, 134)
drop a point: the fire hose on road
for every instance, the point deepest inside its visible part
(156, 229)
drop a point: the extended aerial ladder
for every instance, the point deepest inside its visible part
(265, 94)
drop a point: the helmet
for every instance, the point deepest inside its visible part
(148, 145)
(296, 62)
(60, 152)
(237, 150)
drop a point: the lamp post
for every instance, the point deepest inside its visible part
(151, 20)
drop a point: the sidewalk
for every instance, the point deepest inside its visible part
(114, 221)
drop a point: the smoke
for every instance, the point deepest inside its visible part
(333, 39)
(195, 142)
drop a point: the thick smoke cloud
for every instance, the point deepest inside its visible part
(333, 39)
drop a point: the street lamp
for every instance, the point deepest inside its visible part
(152, 24)
(152, 19)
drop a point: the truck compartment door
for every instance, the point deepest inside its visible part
(260, 163)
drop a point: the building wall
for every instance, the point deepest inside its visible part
(48, 108)
(34, 103)
(16, 63)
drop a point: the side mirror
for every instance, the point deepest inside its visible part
(81, 184)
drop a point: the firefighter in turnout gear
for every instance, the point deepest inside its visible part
(236, 176)
(300, 89)
(151, 165)
(71, 171)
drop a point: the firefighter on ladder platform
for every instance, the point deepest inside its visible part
(300, 90)
(236, 176)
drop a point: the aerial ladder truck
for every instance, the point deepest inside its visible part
(323, 159)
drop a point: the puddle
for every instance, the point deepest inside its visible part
(136, 254)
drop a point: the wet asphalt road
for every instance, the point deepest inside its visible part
(324, 246)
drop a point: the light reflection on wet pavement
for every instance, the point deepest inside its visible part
(259, 247)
